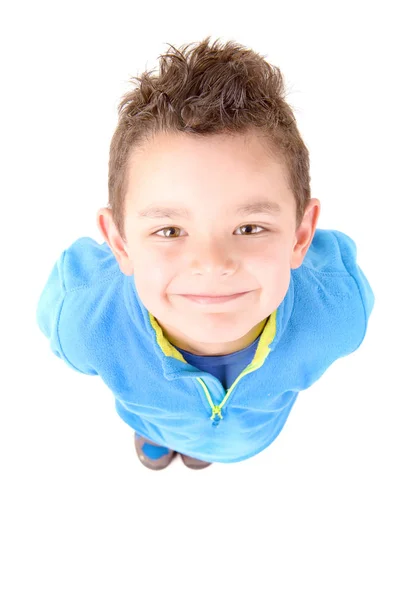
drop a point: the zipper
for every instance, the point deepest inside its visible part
(216, 414)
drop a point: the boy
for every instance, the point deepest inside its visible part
(214, 299)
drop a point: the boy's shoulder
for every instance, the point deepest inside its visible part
(86, 263)
(74, 310)
(331, 251)
(333, 291)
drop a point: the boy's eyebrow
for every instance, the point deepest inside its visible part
(248, 208)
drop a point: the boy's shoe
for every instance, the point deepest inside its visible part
(152, 455)
(194, 463)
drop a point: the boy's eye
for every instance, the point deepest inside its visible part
(174, 228)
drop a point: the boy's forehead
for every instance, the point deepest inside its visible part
(176, 157)
(164, 180)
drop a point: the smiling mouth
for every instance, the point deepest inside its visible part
(212, 299)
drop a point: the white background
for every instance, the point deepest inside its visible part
(316, 514)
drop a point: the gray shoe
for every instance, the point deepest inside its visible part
(150, 456)
(194, 463)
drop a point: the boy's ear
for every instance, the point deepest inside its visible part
(305, 233)
(117, 245)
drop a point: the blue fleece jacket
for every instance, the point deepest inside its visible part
(217, 409)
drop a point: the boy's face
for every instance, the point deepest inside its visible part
(213, 249)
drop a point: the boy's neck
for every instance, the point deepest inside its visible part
(177, 339)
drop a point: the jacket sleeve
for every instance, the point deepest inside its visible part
(51, 316)
(348, 250)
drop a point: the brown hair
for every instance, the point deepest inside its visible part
(208, 90)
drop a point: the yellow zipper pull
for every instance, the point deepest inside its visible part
(216, 411)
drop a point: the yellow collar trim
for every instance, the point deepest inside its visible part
(267, 336)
